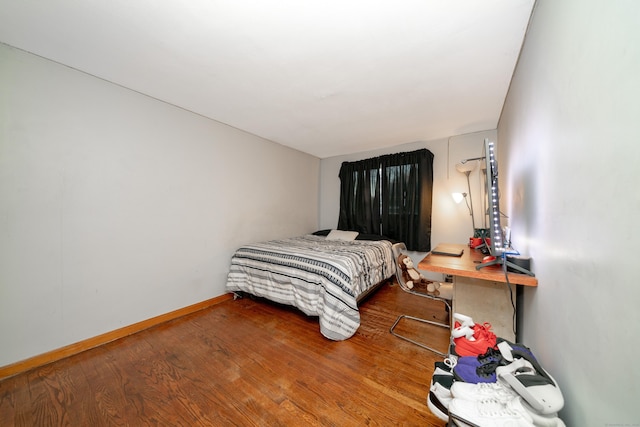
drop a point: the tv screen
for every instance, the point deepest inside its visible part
(497, 246)
(493, 196)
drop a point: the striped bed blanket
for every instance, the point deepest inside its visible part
(320, 277)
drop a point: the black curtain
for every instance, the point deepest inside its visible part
(389, 195)
(360, 196)
(407, 187)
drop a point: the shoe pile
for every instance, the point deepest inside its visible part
(489, 381)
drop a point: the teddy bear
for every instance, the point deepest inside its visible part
(413, 277)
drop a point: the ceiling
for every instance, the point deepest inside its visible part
(326, 77)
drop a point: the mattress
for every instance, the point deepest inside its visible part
(321, 277)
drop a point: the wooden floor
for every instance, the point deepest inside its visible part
(242, 363)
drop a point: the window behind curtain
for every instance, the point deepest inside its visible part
(389, 195)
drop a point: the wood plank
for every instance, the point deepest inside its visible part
(75, 348)
(246, 362)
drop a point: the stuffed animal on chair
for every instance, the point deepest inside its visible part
(413, 277)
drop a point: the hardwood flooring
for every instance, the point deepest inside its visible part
(242, 363)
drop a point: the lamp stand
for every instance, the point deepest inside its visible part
(473, 220)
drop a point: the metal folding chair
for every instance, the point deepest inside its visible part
(445, 296)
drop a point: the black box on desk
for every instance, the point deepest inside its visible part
(520, 261)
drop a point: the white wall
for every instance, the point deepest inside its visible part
(115, 207)
(451, 223)
(569, 137)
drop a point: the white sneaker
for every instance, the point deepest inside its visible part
(442, 368)
(440, 396)
(533, 384)
(494, 413)
(539, 420)
(486, 413)
(463, 319)
(482, 391)
(464, 328)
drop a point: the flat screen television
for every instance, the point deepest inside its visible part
(496, 243)
(493, 203)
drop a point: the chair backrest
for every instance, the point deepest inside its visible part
(397, 250)
(445, 292)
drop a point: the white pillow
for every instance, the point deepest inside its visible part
(342, 235)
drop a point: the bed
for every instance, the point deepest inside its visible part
(320, 275)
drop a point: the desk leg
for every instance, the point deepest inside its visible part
(486, 301)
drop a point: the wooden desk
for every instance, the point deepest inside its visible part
(465, 266)
(481, 294)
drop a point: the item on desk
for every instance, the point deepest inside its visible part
(520, 261)
(481, 236)
(474, 242)
(448, 250)
(488, 258)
